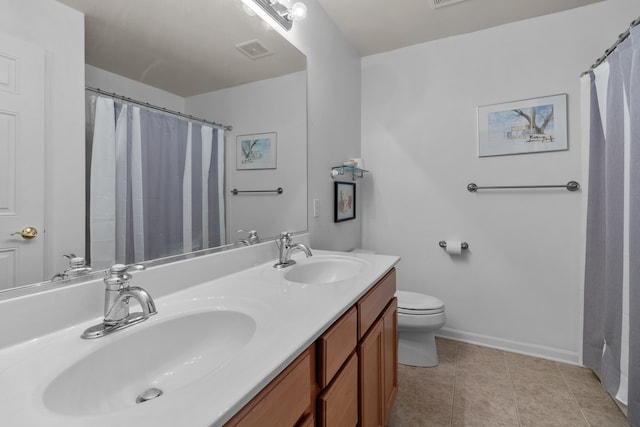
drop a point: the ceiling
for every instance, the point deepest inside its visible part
(374, 26)
(188, 47)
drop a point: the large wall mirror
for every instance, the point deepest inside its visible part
(213, 60)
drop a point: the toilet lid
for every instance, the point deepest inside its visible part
(415, 303)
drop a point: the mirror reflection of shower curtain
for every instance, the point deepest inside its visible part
(156, 184)
(611, 332)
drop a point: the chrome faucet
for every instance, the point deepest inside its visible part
(77, 267)
(252, 239)
(116, 303)
(285, 248)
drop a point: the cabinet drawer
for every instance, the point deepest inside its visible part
(336, 345)
(283, 401)
(338, 404)
(373, 302)
(308, 421)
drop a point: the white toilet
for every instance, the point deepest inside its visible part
(419, 316)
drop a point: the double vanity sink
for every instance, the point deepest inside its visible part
(164, 356)
(207, 352)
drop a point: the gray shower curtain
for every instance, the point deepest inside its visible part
(611, 338)
(634, 231)
(156, 184)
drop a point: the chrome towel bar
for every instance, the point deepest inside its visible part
(571, 186)
(278, 190)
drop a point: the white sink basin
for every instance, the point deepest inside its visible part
(319, 270)
(166, 355)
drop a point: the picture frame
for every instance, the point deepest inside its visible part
(344, 201)
(519, 127)
(257, 151)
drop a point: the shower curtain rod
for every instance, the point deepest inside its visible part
(622, 37)
(164, 110)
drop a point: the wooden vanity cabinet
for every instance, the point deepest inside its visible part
(338, 373)
(379, 369)
(373, 303)
(347, 378)
(308, 421)
(338, 403)
(336, 345)
(288, 400)
(378, 352)
(390, 331)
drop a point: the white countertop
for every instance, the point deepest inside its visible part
(289, 317)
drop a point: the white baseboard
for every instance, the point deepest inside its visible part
(535, 350)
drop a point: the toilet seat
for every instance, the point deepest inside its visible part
(414, 303)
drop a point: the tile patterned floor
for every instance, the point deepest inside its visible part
(481, 387)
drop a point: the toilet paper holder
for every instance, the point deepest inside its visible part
(443, 244)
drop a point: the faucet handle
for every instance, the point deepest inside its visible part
(253, 235)
(121, 268)
(75, 261)
(118, 274)
(284, 239)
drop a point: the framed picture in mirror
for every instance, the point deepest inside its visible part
(345, 201)
(257, 151)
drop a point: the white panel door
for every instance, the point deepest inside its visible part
(22, 123)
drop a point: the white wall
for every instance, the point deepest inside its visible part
(273, 105)
(519, 286)
(60, 31)
(333, 110)
(110, 82)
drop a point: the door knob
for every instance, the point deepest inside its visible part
(27, 233)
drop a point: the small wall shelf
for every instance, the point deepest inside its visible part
(341, 170)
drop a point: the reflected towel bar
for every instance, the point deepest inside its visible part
(278, 190)
(571, 186)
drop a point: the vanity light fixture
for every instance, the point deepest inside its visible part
(283, 12)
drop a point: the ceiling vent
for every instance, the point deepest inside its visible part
(442, 3)
(254, 49)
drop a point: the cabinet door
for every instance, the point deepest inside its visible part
(284, 401)
(390, 339)
(372, 377)
(379, 368)
(338, 404)
(308, 421)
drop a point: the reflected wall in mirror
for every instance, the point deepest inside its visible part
(186, 57)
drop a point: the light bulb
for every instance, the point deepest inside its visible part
(298, 11)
